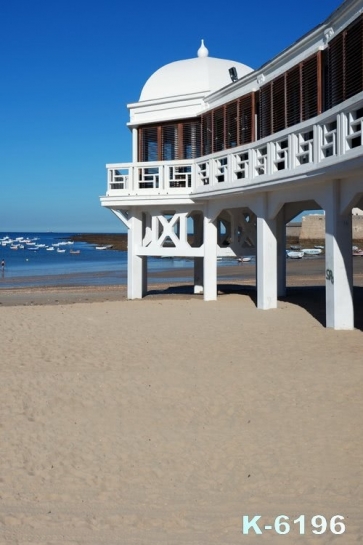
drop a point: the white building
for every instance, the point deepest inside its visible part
(241, 152)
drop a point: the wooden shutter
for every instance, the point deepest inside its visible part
(231, 124)
(278, 104)
(207, 133)
(336, 71)
(218, 130)
(265, 125)
(246, 121)
(191, 140)
(148, 144)
(309, 77)
(353, 59)
(293, 96)
(169, 142)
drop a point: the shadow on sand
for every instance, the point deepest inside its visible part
(311, 298)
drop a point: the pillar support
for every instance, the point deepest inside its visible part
(266, 258)
(210, 259)
(338, 262)
(281, 252)
(136, 265)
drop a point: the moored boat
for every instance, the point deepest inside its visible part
(312, 251)
(293, 254)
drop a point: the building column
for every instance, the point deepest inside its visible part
(281, 253)
(338, 263)
(210, 260)
(266, 260)
(136, 265)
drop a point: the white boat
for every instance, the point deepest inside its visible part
(60, 251)
(312, 251)
(244, 259)
(293, 254)
(104, 247)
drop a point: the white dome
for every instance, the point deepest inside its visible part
(202, 74)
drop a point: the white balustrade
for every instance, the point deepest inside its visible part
(332, 134)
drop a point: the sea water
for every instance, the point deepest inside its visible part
(73, 263)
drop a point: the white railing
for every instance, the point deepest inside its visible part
(333, 136)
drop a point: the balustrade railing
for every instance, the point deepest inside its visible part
(332, 135)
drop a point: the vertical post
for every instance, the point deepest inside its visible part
(135, 151)
(198, 261)
(210, 259)
(266, 259)
(281, 252)
(136, 265)
(338, 262)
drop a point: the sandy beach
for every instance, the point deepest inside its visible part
(164, 421)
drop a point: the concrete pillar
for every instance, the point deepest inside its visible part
(338, 262)
(136, 265)
(198, 275)
(210, 260)
(198, 261)
(281, 253)
(266, 276)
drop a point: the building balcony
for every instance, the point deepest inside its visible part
(327, 145)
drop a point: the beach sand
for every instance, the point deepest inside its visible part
(164, 421)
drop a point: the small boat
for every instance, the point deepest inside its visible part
(358, 252)
(312, 251)
(107, 247)
(296, 247)
(50, 249)
(59, 251)
(319, 247)
(244, 259)
(293, 254)
(74, 251)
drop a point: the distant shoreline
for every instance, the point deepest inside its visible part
(118, 241)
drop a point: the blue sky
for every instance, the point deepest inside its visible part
(68, 70)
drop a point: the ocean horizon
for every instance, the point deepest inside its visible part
(48, 259)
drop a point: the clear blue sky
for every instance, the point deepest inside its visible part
(68, 69)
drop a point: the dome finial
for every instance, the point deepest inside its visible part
(203, 51)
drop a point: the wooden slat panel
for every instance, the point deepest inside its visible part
(336, 71)
(246, 119)
(265, 125)
(207, 133)
(218, 130)
(293, 96)
(191, 140)
(309, 88)
(353, 59)
(231, 125)
(278, 104)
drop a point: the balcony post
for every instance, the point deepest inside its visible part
(136, 265)
(338, 262)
